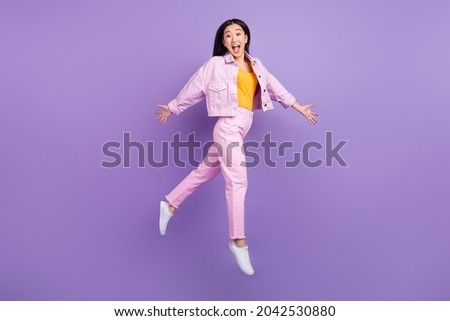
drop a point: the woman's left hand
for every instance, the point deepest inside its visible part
(306, 111)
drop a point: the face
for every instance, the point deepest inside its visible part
(234, 39)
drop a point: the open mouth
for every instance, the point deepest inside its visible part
(236, 48)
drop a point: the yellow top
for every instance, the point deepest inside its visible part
(246, 88)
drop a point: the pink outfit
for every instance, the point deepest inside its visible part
(216, 81)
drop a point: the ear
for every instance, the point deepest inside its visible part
(246, 38)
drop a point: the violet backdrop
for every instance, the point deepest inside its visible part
(76, 74)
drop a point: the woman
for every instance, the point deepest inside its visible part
(234, 84)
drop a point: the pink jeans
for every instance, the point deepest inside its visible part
(226, 155)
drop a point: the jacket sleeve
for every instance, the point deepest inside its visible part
(192, 93)
(276, 90)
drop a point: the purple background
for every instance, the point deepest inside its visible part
(76, 74)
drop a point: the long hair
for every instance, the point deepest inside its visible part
(219, 48)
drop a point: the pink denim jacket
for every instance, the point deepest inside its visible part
(217, 81)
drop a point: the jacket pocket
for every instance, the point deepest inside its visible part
(217, 97)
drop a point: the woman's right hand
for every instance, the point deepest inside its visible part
(163, 113)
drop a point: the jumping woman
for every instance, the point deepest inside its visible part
(234, 85)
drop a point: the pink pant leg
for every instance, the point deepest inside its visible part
(229, 134)
(235, 176)
(202, 174)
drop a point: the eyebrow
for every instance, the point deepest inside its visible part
(238, 29)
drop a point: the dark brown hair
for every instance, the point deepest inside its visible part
(219, 48)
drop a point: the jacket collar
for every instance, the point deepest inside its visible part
(229, 58)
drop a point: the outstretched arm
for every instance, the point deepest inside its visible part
(189, 95)
(306, 111)
(278, 93)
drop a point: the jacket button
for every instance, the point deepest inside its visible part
(264, 90)
(265, 105)
(259, 76)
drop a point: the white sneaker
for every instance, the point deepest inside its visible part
(242, 257)
(164, 217)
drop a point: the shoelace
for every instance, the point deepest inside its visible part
(247, 258)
